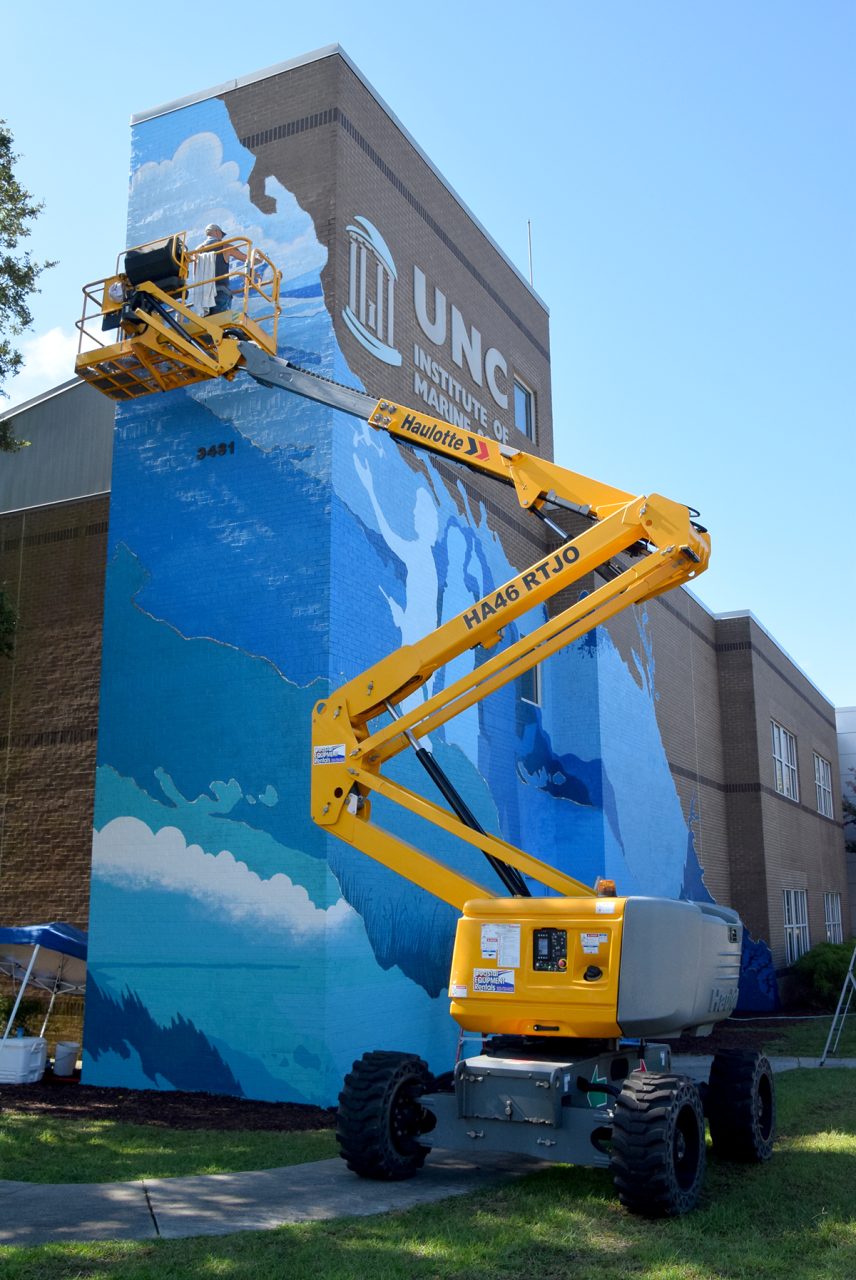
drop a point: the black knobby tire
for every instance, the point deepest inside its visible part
(658, 1144)
(380, 1118)
(741, 1106)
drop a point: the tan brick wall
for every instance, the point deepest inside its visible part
(66, 1018)
(52, 561)
(775, 843)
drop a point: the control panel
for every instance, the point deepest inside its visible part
(550, 950)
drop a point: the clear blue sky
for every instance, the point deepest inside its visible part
(689, 173)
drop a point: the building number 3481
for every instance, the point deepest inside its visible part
(214, 450)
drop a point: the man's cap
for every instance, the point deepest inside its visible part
(214, 230)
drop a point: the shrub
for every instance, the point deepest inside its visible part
(820, 973)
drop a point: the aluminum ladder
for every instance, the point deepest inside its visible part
(844, 1001)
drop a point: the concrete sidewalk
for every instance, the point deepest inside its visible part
(697, 1065)
(218, 1204)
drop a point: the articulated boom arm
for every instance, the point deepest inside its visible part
(166, 319)
(349, 748)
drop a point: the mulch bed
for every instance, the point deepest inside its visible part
(66, 1097)
(167, 1110)
(734, 1033)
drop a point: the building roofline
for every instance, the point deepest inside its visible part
(329, 51)
(57, 502)
(41, 397)
(747, 613)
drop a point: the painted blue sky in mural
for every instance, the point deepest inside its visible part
(238, 590)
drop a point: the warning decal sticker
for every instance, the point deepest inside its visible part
(501, 942)
(331, 753)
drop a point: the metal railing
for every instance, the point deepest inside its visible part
(253, 285)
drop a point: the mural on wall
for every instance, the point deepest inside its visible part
(234, 948)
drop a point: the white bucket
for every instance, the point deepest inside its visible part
(22, 1060)
(65, 1058)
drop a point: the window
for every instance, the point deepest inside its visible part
(529, 686)
(796, 924)
(832, 917)
(823, 786)
(524, 409)
(785, 762)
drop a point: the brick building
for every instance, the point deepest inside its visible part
(681, 751)
(54, 500)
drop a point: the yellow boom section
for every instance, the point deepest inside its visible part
(349, 748)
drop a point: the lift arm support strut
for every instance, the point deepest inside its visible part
(350, 748)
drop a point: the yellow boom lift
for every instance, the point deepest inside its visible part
(568, 989)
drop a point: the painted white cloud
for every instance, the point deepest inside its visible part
(197, 186)
(127, 853)
(184, 193)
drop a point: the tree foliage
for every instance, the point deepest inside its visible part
(8, 442)
(19, 273)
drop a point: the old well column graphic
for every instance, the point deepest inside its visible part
(370, 313)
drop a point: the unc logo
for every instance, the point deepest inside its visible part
(370, 313)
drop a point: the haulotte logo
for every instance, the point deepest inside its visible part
(370, 313)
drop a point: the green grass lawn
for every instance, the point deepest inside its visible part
(42, 1149)
(792, 1218)
(808, 1039)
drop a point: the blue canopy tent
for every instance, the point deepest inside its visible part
(49, 957)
